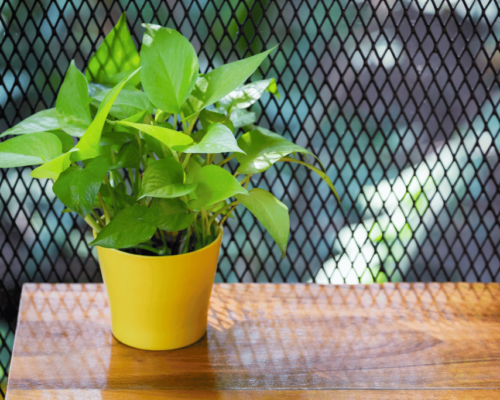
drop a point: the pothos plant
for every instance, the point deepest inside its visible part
(139, 146)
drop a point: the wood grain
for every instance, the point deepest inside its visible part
(430, 340)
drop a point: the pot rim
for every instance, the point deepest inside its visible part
(219, 236)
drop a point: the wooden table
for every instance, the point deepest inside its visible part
(391, 341)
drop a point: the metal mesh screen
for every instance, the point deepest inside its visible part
(399, 99)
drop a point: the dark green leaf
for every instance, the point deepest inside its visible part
(169, 67)
(66, 140)
(214, 184)
(126, 229)
(72, 103)
(42, 121)
(220, 82)
(217, 138)
(115, 58)
(165, 179)
(127, 157)
(171, 215)
(271, 213)
(32, 149)
(263, 150)
(77, 187)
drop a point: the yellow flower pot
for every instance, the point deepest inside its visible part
(159, 303)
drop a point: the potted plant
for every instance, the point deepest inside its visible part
(156, 195)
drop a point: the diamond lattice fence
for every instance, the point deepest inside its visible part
(400, 99)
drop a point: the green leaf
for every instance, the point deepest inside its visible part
(165, 179)
(193, 167)
(127, 157)
(171, 215)
(72, 103)
(126, 229)
(247, 95)
(66, 140)
(170, 67)
(217, 138)
(53, 168)
(115, 58)
(214, 184)
(209, 117)
(168, 137)
(263, 149)
(220, 82)
(88, 146)
(241, 118)
(128, 103)
(77, 187)
(32, 149)
(42, 121)
(271, 213)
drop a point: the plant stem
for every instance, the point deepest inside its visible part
(188, 237)
(227, 159)
(219, 212)
(160, 252)
(111, 193)
(107, 217)
(143, 159)
(98, 219)
(227, 215)
(248, 181)
(186, 160)
(174, 153)
(163, 239)
(92, 223)
(244, 180)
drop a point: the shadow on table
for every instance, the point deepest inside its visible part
(270, 336)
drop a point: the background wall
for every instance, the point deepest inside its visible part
(399, 99)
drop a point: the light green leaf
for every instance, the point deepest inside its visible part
(72, 103)
(115, 58)
(165, 179)
(217, 138)
(170, 67)
(220, 82)
(263, 149)
(126, 229)
(32, 149)
(171, 215)
(53, 168)
(214, 184)
(209, 117)
(247, 95)
(271, 213)
(168, 137)
(42, 121)
(77, 187)
(88, 146)
(241, 118)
